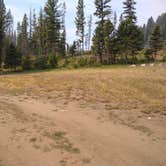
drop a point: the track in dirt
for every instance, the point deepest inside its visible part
(41, 133)
(95, 117)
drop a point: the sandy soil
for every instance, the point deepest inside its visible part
(38, 133)
(95, 117)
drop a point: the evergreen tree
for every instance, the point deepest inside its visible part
(161, 22)
(103, 10)
(2, 26)
(72, 49)
(130, 36)
(155, 40)
(14, 38)
(9, 33)
(12, 58)
(98, 42)
(80, 22)
(52, 15)
(121, 18)
(19, 37)
(63, 34)
(108, 30)
(148, 31)
(115, 20)
(34, 40)
(129, 10)
(130, 39)
(30, 29)
(24, 36)
(89, 35)
(9, 24)
(42, 33)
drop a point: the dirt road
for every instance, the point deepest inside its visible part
(36, 132)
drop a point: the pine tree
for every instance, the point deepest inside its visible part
(2, 26)
(115, 20)
(72, 49)
(80, 22)
(155, 40)
(63, 34)
(121, 18)
(148, 31)
(52, 15)
(19, 37)
(9, 24)
(9, 32)
(89, 35)
(108, 30)
(30, 29)
(12, 58)
(14, 38)
(24, 36)
(98, 42)
(42, 33)
(103, 10)
(34, 40)
(130, 36)
(161, 21)
(129, 10)
(130, 39)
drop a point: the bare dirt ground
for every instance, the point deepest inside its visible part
(96, 117)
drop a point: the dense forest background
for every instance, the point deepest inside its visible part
(39, 42)
(148, 28)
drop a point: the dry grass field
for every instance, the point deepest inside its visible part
(98, 117)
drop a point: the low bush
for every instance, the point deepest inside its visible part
(41, 62)
(80, 61)
(27, 63)
(52, 60)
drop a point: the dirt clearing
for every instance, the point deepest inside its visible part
(96, 117)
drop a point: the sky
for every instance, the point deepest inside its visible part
(145, 9)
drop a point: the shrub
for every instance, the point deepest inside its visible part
(26, 63)
(149, 54)
(52, 60)
(163, 55)
(164, 58)
(41, 62)
(93, 62)
(82, 62)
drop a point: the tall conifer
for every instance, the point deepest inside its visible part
(2, 26)
(155, 40)
(52, 16)
(103, 10)
(80, 22)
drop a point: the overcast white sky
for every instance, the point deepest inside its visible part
(145, 9)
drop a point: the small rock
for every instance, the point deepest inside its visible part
(133, 66)
(143, 65)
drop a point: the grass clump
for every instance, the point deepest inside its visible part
(33, 139)
(59, 135)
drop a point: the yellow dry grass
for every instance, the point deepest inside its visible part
(122, 88)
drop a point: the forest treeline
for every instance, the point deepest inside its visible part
(40, 38)
(148, 28)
